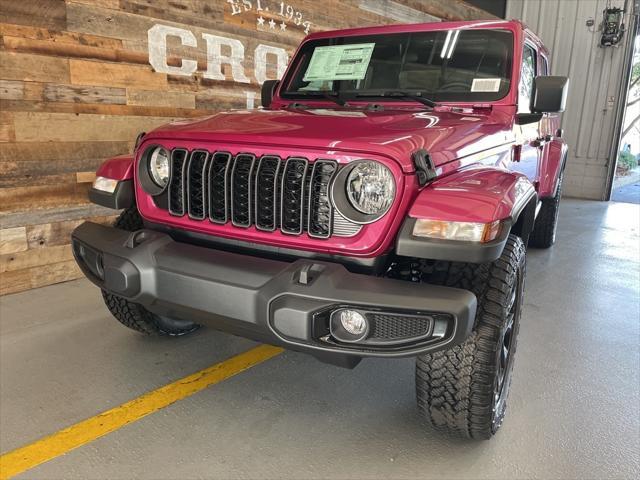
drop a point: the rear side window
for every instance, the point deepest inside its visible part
(527, 74)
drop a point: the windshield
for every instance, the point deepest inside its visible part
(444, 65)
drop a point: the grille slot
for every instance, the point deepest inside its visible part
(219, 168)
(196, 185)
(397, 327)
(292, 195)
(267, 192)
(176, 184)
(320, 209)
(241, 190)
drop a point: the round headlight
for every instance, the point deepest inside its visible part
(371, 188)
(159, 166)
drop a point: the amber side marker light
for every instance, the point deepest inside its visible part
(105, 184)
(461, 231)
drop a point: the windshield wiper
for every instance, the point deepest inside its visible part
(417, 96)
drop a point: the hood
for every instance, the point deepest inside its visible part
(393, 133)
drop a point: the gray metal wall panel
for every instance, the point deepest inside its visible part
(595, 80)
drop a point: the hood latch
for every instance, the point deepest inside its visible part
(425, 169)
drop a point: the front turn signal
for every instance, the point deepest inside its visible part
(105, 184)
(460, 231)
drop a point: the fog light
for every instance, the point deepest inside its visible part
(348, 325)
(353, 322)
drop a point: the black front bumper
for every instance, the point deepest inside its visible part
(263, 299)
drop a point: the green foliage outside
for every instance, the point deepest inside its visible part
(626, 161)
(633, 95)
(635, 73)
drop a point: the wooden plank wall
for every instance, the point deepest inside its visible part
(76, 86)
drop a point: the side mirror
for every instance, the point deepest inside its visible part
(268, 87)
(549, 94)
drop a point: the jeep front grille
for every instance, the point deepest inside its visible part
(176, 182)
(219, 166)
(197, 184)
(292, 197)
(241, 174)
(320, 207)
(267, 192)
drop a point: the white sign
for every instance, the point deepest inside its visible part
(272, 15)
(157, 37)
(339, 62)
(485, 85)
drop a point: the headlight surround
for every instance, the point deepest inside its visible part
(371, 188)
(159, 166)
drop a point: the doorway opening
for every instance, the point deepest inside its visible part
(626, 182)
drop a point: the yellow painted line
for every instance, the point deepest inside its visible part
(59, 443)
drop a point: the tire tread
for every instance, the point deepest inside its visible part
(454, 387)
(544, 229)
(129, 314)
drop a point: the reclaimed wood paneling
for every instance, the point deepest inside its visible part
(7, 127)
(40, 276)
(13, 240)
(41, 196)
(87, 72)
(56, 233)
(105, 109)
(11, 89)
(168, 99)
(63, 127)
(77, 86)
(42, 13)
(84, 94)
(49, 158)
(35, 258)
(53, 215)
(57, 36)
(85, 177)
(19, 181)
(26, 67)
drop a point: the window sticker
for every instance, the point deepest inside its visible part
(318, 85)
(485, 85)
(340, 62)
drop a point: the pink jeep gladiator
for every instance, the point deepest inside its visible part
(380, 204)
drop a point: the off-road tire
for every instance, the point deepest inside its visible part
(456, 388)
(544, 230)
(129, 220)
(133, 315)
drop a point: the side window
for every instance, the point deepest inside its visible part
(527, 74)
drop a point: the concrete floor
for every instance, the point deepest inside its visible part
(574, 408)
(628, 194)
